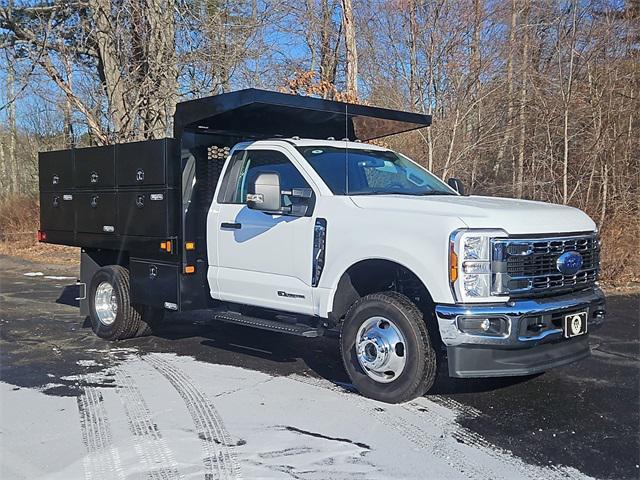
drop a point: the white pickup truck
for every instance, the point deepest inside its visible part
(304, 235)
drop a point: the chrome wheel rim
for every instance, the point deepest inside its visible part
(106, 303)
(381, 349)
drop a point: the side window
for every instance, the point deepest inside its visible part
(248, 164)
(230, 180)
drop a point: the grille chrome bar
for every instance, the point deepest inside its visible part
(528, 267)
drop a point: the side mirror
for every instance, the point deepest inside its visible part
(456, 184)
(267, 197)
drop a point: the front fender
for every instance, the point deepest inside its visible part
(417, 242)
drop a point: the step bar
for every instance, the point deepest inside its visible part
(297, 329)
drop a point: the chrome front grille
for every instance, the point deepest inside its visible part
(528, 267)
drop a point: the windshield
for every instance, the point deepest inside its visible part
(371, 172)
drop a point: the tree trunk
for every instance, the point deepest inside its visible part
(414, 86)
(431, 100)
(508, 133)
(567, 101)
(309, 34)
(447, 163)
(328, 55)
(476, 68)
(523, 104)
(67, 110)
(604, 194)
(114, 84)
(163, 95)
(351, 49)
(12, 160)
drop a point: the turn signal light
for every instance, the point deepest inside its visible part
(42, 236)
(189, 269)
(166, 246)
(453, 265)
(190, 246)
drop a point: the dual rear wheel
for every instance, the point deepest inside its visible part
(112, 315)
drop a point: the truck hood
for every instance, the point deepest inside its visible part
(512, 215)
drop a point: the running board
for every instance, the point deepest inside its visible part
(298, 329)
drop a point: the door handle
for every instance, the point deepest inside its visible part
(235, 226)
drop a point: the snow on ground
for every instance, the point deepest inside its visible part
(164, 416)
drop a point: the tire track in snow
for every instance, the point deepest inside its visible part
(103, 459)
(441, 426)
(460, 408)
(149, 443)
(517, 468)
(219, 457)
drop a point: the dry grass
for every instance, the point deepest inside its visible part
(19, 219)
(620, 259)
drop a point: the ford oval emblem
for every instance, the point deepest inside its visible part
(569, 263)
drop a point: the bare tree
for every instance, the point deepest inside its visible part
(11, 159)
(522, 116)
(351, 62)
(535, 99)
(139, 83)
(508, 130)
(567, 92)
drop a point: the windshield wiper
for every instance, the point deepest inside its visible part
(413, 194)
(435, 193)
(382, 193)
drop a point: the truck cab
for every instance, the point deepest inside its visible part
(305, 235)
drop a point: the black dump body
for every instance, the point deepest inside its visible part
(122, 203)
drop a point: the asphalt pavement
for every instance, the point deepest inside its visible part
(577, 421)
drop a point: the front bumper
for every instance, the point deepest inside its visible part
(520, 351)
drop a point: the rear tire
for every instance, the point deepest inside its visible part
(386, 349)
(112, 315)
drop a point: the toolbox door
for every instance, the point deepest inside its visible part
(96, 212)
(56, 211)
(154, 283)
(148, 213)
(55, 170)
(95, 167)
(142, 163)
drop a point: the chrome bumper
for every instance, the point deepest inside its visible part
(515, 313)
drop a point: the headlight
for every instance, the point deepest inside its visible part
(470, 265)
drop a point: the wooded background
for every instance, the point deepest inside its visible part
(531, 99)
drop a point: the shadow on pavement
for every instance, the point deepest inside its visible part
(282, 354)
(69, 295)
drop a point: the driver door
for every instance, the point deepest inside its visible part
(260, 259)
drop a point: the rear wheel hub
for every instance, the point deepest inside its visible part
(106, 303)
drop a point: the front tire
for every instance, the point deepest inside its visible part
(112, 315)
(386, 348)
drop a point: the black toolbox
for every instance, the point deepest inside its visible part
(126, 190)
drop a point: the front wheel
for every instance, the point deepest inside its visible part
(386, 348)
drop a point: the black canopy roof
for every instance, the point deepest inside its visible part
(260, 113)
